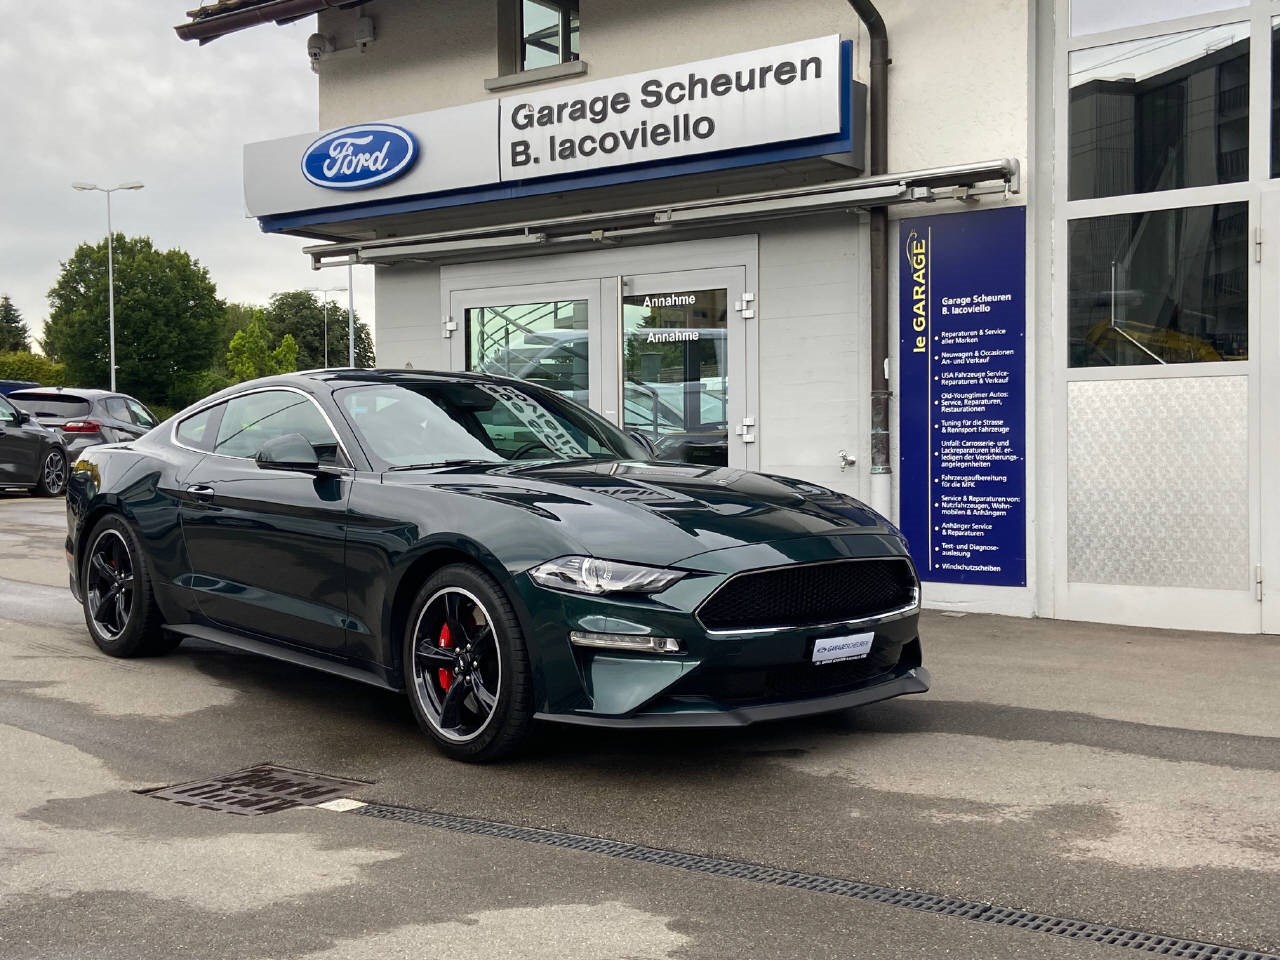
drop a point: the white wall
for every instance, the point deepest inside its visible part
(407, 325)
(814, 335)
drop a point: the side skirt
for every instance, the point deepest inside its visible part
(287, 654)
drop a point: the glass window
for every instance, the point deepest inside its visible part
(1275, 96)
(1160, 113)
(117, 410)
(1095, 16)
(675, 386)
(440, 422)
(1169, 286)
(548, 33)
(544, 343)
(141, 415)
(54, 405)
(250, 420)
(8, 413)
(194, 431)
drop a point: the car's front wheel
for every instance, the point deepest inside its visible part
(466, 666)
(119, 605)
(52, 481)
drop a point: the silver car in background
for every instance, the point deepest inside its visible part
(85, 417)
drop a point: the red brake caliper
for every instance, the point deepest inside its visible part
(444, 674)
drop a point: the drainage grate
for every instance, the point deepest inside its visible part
(265, 788)
(888, 896)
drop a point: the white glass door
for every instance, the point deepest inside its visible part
(547, 334)
(681, 374)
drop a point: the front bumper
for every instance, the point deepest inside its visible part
(914, 680)
(719, 677)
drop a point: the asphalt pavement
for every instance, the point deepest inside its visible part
(1122, 777)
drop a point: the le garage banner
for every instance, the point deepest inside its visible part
(962, 455)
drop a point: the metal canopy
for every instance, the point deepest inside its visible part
(214, 20)
(959, 182)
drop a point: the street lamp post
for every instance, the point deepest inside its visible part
(326, 291)
(111, 279)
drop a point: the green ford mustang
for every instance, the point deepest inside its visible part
(496, 551)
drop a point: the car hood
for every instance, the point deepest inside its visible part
(658, 512)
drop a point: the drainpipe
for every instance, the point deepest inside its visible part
(881, 498)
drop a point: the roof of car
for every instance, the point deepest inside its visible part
(337, 375)
(88, 393)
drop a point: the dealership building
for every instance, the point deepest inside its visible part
(1006, 270)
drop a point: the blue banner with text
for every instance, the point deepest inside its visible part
(962, 363)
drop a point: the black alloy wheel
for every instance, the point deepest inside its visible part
(119, 607)
(466, 667)
(52, 481)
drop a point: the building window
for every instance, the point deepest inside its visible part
(1275, 96)
(536, 34)
(1098, 16)
(548, 33)
(1162, 287)
(1161, 113)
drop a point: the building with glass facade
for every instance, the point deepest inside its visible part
(669, 212)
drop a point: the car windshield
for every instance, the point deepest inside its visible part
(432, 423)
(50, 404)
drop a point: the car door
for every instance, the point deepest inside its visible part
(19, 449)
(267, 546)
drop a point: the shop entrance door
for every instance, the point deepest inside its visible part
(546, 333)
(682, 371)
(665, 355)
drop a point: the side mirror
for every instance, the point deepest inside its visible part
(293, 451)
(23, 417)
(646, 441)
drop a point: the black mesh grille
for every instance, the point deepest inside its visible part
(809, 594)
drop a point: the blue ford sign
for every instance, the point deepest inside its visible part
(361, 156)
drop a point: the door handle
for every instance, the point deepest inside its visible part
(200, 492)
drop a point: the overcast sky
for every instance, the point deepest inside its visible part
(107, 93)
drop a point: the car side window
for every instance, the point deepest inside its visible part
(141, 415)
(117, 410)
(194, 431)
(8, 414)
(252, 419)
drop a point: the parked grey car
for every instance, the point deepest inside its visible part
(85, 417)
(31, 456)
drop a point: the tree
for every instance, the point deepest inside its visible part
(298, 312)
(25, 365)
(13, 332)
(250, 356)
(236, 317)
(168, 318)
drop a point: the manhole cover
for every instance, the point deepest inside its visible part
(265, 788)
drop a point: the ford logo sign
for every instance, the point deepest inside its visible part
(361, 156)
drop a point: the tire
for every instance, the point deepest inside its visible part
(52, 481)
(119, 606)
(466, 668)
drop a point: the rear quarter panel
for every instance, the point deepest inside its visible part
(141, 484)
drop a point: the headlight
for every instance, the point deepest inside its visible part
(591, 575)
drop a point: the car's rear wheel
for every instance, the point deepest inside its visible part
(52, 481)
(119, 605)
(466, 666)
